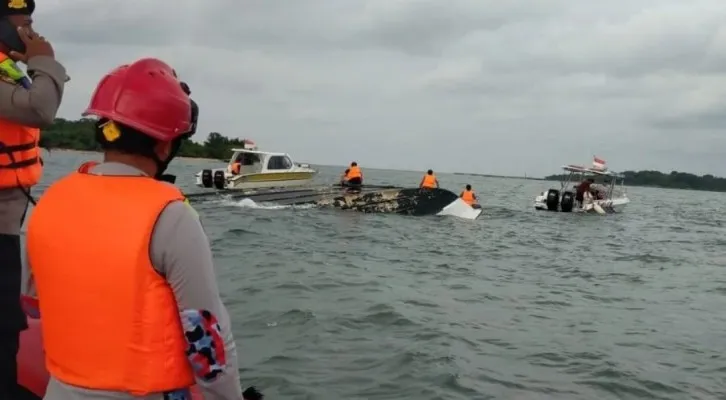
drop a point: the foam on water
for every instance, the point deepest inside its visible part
(249, 203)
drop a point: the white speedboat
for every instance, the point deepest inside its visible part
(610, 199)
(257, 170)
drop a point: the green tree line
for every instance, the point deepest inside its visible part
(674, 180)
(78, 135)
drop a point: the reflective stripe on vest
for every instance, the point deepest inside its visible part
(354, 172)
(468, 197)
(429, 181)
(110, 321)
(19, 156)
(20, 164)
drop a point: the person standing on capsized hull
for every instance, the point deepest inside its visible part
(25, 107)
(123, 269)
(353, 176)
(429, 181)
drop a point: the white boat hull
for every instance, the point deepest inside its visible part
(613, 196)
(256, 169)
(608, 206)
(266, 180)
(460, 209)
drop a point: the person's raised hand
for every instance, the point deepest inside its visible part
(35, 45)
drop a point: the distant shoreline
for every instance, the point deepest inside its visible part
(651, 179)
(526, 178)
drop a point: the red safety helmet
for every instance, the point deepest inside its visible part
(146, 96)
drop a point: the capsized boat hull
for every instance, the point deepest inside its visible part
(409, 201)
(367, 199)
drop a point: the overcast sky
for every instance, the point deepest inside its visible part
(486, 86)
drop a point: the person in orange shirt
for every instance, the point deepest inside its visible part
(429, 181)
(469, 197)
(122, 268)
(353, 175)
(236, 167)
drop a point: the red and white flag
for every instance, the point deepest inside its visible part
(598, 163)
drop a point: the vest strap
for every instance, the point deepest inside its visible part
(9, 150)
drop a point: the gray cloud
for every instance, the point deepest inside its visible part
(479, 85)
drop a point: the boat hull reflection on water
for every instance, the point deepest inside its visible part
(367, 199)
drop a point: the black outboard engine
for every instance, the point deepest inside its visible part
(207, 178)
(219, 180)
(553, 199)
(568, 202)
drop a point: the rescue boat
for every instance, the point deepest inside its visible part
(612, 199)
(258, 169)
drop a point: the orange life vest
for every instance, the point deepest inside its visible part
(110, 321)
(429, 181)
(236, 168)
(19, 155)
(354, 172)
(468, 197)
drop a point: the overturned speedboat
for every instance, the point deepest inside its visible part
(257, 169)
(612, 198)
(412, 201)
(365, 198)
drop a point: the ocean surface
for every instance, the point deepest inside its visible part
(520, 304)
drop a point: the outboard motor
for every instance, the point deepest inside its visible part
(219, 180)
(568, 202)
(553, 199)
(207, 178)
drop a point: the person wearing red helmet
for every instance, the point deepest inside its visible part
(27, 104)
(121, 265)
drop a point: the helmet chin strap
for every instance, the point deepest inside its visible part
(161, 166)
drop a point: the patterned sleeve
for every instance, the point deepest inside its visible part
(206, 345)
(180, 251)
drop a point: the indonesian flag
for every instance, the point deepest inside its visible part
(598, 163)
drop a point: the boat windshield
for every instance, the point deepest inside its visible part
(250, 163)
(279, 163)
(248, 159)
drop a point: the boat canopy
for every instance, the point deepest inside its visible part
(237, 150)
(594, 171)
